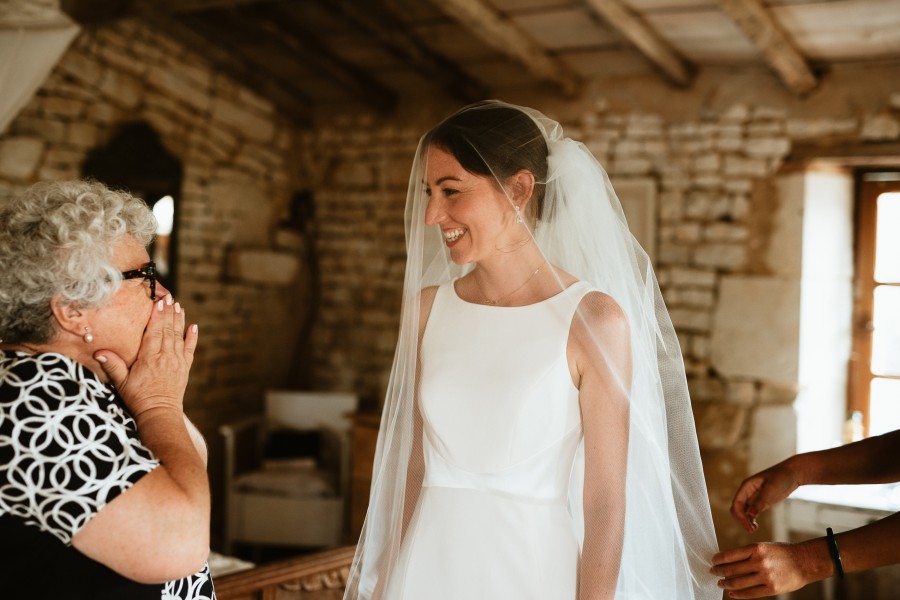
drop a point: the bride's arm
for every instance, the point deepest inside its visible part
(599, 352)
(415, 470)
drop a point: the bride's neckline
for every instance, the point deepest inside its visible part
(496, 306)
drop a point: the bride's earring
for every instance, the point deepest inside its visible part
(519, 218)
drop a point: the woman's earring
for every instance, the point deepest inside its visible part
(519, 218)
(88, 336)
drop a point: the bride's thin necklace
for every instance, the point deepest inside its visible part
(496, 301)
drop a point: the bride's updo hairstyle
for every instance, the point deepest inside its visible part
(495, 141)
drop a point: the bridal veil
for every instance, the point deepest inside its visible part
(580, 228)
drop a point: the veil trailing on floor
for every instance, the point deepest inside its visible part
(667, 536)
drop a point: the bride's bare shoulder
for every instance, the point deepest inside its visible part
(601, 320)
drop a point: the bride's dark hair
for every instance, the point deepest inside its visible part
(497, 142)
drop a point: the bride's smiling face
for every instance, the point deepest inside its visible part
(473, 213)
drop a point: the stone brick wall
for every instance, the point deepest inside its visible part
(245, 278)
(360, 172)
(236, 187)
(716, 227)
(715, 176)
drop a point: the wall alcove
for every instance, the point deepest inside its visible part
(136, 160)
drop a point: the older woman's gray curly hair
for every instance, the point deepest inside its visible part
(56, 239)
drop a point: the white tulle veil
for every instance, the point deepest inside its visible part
(668, 533)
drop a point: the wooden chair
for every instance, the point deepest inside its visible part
(289, 500)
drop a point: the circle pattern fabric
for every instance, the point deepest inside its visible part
(68, 447)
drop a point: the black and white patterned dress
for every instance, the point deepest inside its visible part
(68, 447)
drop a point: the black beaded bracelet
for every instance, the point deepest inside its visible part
(835, 553)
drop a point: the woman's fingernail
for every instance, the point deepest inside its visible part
(169, 300)
(177, 308)
(101, 359)
(194, 328)
(159, 306)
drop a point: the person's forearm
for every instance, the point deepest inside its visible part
(868, 461)
(601, 557)
(870, 546)
(159, 529)
(198, 441)
(873, 545)
(164, 432)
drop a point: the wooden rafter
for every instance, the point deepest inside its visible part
(387, 31)
(274, 39)
(500, 33)
(207, 44)
(299, 40)
(185, 6)
(91, 12)
(637, 31)
(775, 44)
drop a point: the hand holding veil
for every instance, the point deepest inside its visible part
(664, 536)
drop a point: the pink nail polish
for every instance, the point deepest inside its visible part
(169, 299)
(178, 308)
(159, 306)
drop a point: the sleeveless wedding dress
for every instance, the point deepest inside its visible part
(501, 427)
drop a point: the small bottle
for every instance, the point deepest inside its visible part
(853, 427)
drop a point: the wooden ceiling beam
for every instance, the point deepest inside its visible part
(646, 39)
(92, 12)
(287, 36)
(208, 43)
(385, 28)
(186, 6)
(502, 34)
(775, 44)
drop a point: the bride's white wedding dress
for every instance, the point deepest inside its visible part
(501, 426)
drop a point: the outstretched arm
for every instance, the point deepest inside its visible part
(860, 462)
(600, 345)
(766, 569)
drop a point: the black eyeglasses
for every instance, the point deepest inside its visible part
(148, 272)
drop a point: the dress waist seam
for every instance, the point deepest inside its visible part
(559, 501)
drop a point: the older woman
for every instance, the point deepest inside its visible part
(103, 488)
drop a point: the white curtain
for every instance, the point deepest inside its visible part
(34, 34)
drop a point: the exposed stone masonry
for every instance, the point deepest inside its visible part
(237, 183)
(715, 189)
(244, 278)
(360, 172)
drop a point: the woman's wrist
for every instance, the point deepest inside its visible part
(802, 468)
(815, 559)
(163, 428)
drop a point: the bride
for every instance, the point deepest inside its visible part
(537, 440)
